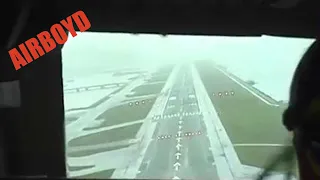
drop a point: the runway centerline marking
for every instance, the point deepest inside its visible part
(178, 139)
(178, 146)
(178, 154)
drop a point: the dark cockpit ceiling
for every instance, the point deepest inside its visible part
(295, 18)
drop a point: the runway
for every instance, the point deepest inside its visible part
(180, 148)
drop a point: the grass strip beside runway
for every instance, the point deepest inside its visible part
(246, 118)
(107, 136)
(126, 113)
(95, 151)
(147, 89)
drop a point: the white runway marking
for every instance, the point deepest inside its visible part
(178, 139)
(178, 155)
(175, 177)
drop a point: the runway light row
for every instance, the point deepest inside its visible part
(139, 102)
(186, 134)
(156, 117)
(164, 137)
(225, 93)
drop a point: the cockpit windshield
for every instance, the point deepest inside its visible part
(176, 107)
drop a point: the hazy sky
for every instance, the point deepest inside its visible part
(270, 61)
(95, 52)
